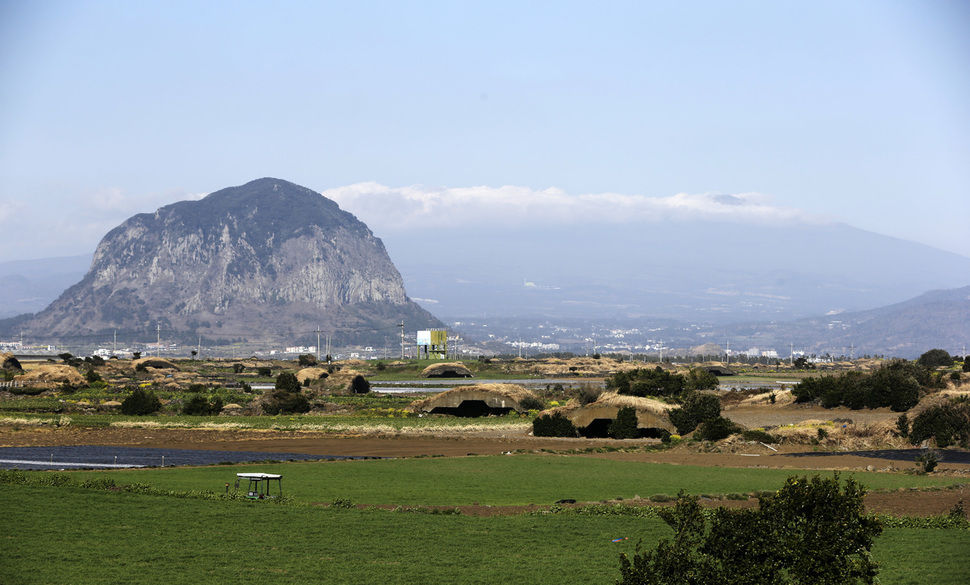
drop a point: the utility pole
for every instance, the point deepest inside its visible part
(158, 338)
(402, 339)
(318, 343)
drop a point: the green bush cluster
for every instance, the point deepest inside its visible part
(696, 408)
(554, 425)
(199, 405)
(935, 358)
(624, 426)
(647, 382)
(140, 402)
(810, 531)
(896, 384)
(716, 429)
(948, 424)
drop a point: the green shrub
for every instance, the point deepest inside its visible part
(716, 429)
(947, 423)
(140, 402)
(902, 425)
(647, 382)
(698, 407)
(307, 360)
(588, 394)
(928, 460)
(198, 405)
(287, 382)
(759, 435)
(935, 358)
(555, 425)
(359, 385)
(896, 384)
(531, 403)
(701, 379)
(810, 531)
(624, 426)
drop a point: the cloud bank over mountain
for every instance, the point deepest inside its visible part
(396, 209)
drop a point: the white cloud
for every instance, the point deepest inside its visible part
(403, 208)
(113, 199)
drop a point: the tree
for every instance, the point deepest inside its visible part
(716, 429)
(947, 424)
(810, 531)
(554, 425)
(935, 358)
(624, 426)
(287, 382)
(359, 385)
(198, 405)
(647, 382)
(140, 402)
(701, 379)
(307, 360)
(698, 407)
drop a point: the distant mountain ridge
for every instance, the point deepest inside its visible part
(265, 260)
(705, 272)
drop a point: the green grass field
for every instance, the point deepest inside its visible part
(493, 480)
(69, 535)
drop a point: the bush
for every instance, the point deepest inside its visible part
(896, 384)
(287, 382)
(928, 460)
(701, 379)
(716, 429)
(758, 435)
(286, 403)
(307, 360)
(588, 394)
(359, 385)
(264, 372)
(91, 376)
(140, 402)
(531, 403)
(555, 425)
(947, 423)
(697, 408)
(935, 358)
(647, 382)
(810, 531)
(624, 426)
(199, 406)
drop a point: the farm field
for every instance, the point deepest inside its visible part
(71, 535)
(498, 480)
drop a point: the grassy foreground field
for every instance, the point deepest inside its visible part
(69, 535)
(495, 480)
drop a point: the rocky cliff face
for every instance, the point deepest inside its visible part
(264, 260)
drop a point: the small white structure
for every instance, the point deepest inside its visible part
(260, 485)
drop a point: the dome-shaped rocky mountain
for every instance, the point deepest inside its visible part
(266, 260)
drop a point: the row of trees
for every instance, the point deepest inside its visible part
(896, 384)
(660, 382)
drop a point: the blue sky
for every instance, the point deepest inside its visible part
(838, 111)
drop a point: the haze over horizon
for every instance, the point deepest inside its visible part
(411, 115)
